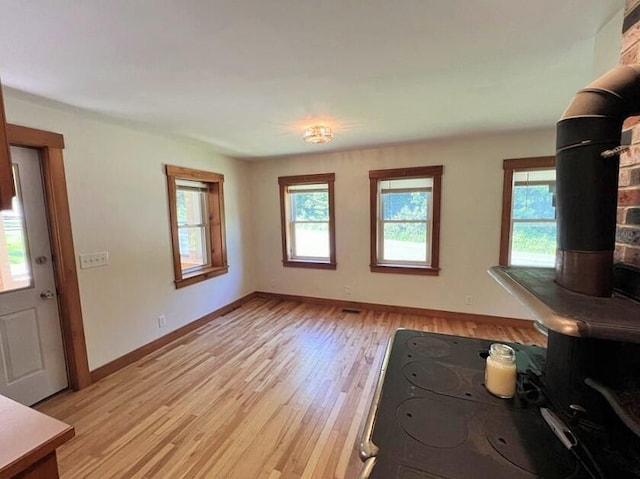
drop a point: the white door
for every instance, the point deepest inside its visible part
(32, 365)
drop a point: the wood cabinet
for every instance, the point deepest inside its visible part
(7, 191)
(28, 442)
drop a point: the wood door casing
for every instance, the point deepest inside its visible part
(50, 147)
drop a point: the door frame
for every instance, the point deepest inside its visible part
(50, 146)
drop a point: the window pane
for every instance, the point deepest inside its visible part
(193, 247)
(406, 183)
(533, 244)
(534, 175)
(15, 272)
(307, 187)
(311, 240)
(189, 206)
(405, 206)
(405, 242)
(311, 206)
(533, 202)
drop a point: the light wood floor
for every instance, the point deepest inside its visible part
(273, 390)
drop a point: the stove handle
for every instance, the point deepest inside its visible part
(570, 441)
(367, 468)
(367, 447)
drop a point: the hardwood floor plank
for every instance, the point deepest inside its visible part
(272, 390)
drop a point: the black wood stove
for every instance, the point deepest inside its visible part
(432, 418)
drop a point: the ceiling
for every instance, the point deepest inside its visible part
(247, 76)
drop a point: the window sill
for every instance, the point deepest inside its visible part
(199, 276)
(422, 270)
(308, 264)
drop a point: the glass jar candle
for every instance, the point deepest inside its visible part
(500, 372)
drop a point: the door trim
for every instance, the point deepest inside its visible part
(49, 146)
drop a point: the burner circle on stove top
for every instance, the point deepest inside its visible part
(433, 423)
(431, 376)
(432, 347)
(528, 443)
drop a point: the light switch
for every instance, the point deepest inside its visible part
(94, 260)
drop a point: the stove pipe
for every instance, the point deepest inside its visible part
(587, 183)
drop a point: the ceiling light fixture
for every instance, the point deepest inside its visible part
(317, 134)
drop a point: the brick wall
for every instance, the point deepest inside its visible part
(628, 232)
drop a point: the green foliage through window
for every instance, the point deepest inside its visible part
(534, 238)
(310, 206)
(533, 202)
(405, 206)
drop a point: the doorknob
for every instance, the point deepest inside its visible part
(48, 294)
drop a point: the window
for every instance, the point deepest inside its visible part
(405, 220)
(196, 208)
(15, 270)
(528, 236)
(307, 218)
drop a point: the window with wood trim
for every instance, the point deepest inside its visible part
(308, 221)
(405, 220)
(528, 236)
(196, 208)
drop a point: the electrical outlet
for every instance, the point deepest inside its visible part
(347, 289)
(94, 260)
(162, 321)
(468, 300)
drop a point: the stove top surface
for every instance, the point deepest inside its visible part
(436, 420)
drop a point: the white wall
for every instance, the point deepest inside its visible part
(470, 230)
(118, 201)
(607, 44)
